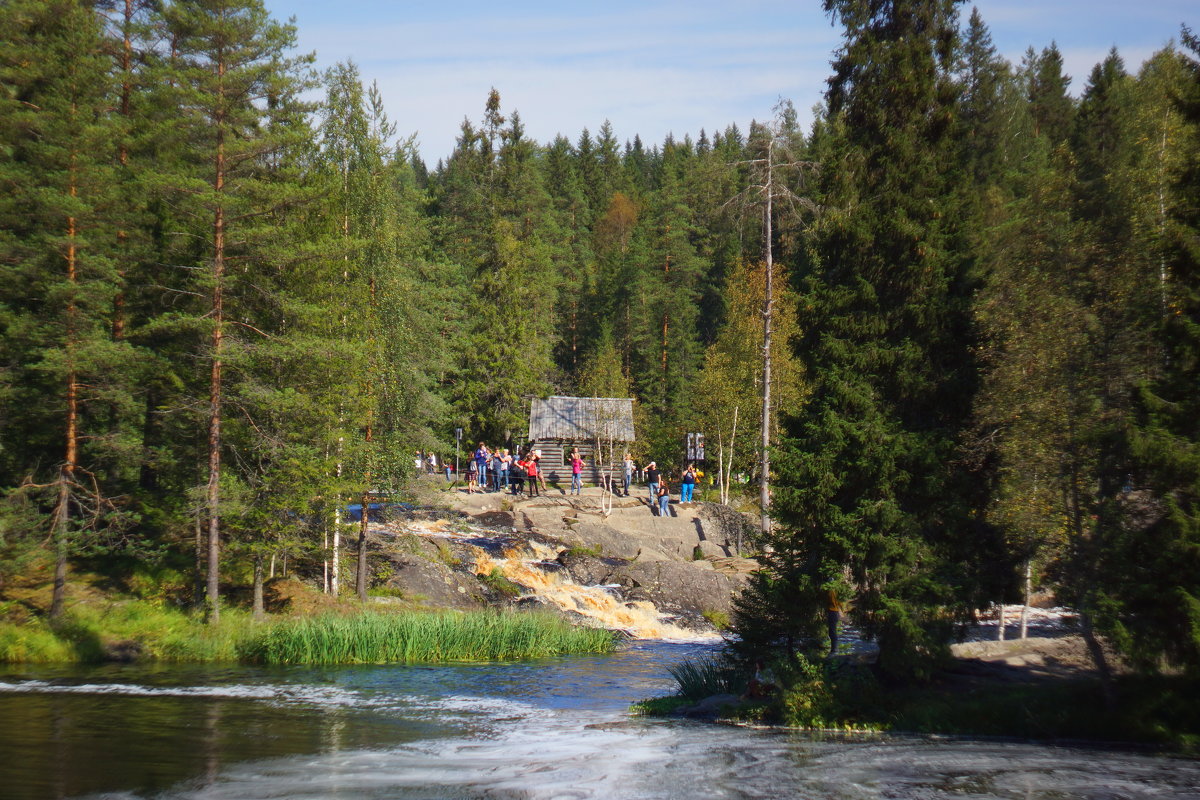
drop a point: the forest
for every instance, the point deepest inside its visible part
(234, 301)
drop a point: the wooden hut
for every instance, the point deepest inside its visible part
(559, 424)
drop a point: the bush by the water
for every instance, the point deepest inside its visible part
(416, 637)
(138, 630)
(699, 678)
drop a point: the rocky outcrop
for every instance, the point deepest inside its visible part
(684, 564)
(687, 589)
(433, 574)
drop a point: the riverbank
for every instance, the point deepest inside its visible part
(1037, 689)
(473, 559)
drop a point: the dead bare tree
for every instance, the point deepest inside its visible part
(607, 429)
(771, 173)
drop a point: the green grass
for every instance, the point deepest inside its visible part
(413, 638)
(697, 679)
(33, 643)
(149, 632)
(496, 581)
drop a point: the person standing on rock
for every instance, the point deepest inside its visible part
(533, 473)
(652, 476)
(687, 485)
(472, 475)
(497, 465)
(505, 467)
(481, 462)
(664, 499)
(536, 458)
(516, 475)
(576, 471)
(628, 465)
(832, 618)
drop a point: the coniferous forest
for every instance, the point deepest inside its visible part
(234, 301)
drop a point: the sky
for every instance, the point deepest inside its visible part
(655, 67)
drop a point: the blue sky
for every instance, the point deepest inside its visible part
(657, 66)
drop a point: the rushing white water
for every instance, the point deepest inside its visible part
(534, 754)
(639, 619)
(554, 728)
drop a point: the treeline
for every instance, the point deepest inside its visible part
(227, 311)
(999, 328)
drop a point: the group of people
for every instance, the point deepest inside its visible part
(499, 471)
(660, 490)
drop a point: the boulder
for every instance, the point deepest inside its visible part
(589, 570)
(496, 519)
(676, 587)
(434, 583)
(606, 540)
(711, 708)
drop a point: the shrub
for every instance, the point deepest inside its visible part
(718, 619)
(499, 584)
(697, 679)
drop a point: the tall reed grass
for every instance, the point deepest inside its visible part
(155, 633)
(416, 637)
(699, 678)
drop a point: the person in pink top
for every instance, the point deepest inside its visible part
(576, 471)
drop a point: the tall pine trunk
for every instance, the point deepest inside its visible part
(66, 476)
(118, 319)
(214, 395)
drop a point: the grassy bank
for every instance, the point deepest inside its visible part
(1161, 710)
(139, 630)
(415, 637)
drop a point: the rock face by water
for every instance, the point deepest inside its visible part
(627, 568)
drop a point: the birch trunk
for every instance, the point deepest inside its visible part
(764, 490)
(1025, 607)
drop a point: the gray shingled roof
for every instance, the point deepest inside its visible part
(581, 417)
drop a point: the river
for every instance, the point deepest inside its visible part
(552, 728)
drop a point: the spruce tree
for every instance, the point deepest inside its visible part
(870, 492)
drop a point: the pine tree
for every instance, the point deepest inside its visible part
(60, 278)
(1053, 109)
(235, 88)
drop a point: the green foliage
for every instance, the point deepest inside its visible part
(146, 631)
(1152, 546)
(32, 644)
(696, 679)
(498, 583)
(412, 638)
(870, 492)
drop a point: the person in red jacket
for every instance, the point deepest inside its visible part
(531, 470)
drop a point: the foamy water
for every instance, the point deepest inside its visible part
(640, 619)
(553, 728)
